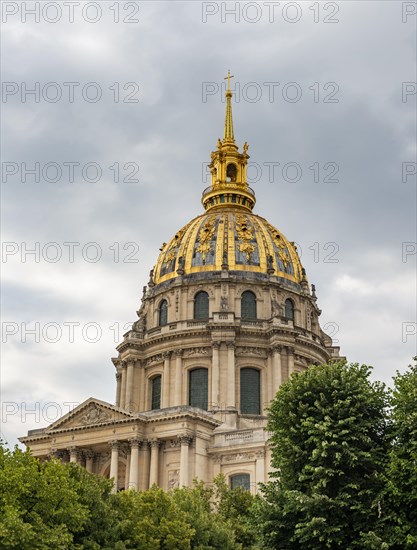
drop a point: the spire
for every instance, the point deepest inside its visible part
(229, 187)
(228, 123)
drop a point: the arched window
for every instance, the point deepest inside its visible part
(248, 305)
(163, 313)
(201, 305)
(231, 172)
(198, 388)
(240, 480)
(156, 392)
(250, 391)
(289, 309)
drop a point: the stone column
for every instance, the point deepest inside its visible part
(290, 357)
(114, 463)
(178, 378)
(123, 386)
(89, 460)
(73, 454)
(217, 467)
(276, 370)
(118, 387)
(231, 376)
(185, 441)
(134, 463)
(129, 385)
(144, 466)
(165, 381)
(142, 405)
(260, 467)
(128, 466)
(215, 373)
(154, 468)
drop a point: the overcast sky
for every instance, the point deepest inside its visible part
(327, 90)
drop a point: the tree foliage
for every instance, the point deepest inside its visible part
(49, 505)
(53, 505)
(151, 520)
(345, 477)
(329, 445)
(400, 506)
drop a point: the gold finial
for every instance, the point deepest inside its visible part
(228, 77)
(228, 124)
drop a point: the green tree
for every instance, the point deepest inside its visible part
(151, 520)
(328, 434)
(211, 530)
(52, 505)
(234, 507)
(94, 494)
(400, 507)
(39, 505)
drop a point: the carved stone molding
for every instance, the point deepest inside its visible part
(154, 359)
(239, 457)
(185, 439)
(196, 351)
(135, 443)
(178, 352)
(94, 415)
(173, 479)
(216, 344)
(114, 444)
(243, 350)
(224, 304)
(154, 443)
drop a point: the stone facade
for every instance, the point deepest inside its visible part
(226, 318)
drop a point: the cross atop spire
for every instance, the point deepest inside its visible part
(228, 77)
(228, 123)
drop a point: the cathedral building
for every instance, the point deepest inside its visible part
(226, 317)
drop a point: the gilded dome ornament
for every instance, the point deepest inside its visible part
(228, 236)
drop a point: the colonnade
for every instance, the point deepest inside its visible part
(141, 471)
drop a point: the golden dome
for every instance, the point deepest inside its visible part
(232, 239)
(228, 236)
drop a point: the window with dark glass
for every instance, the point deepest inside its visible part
(250, 391)
(163, 313)
(198, 388)
(240, 480)
(156, 392)
(201, 305)
(248, 305)
(289, 309)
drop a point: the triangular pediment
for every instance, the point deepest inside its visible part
(91, 412)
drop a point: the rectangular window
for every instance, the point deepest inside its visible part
(240, 480)
(198, 390)
(156, 393)
(250, 391)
